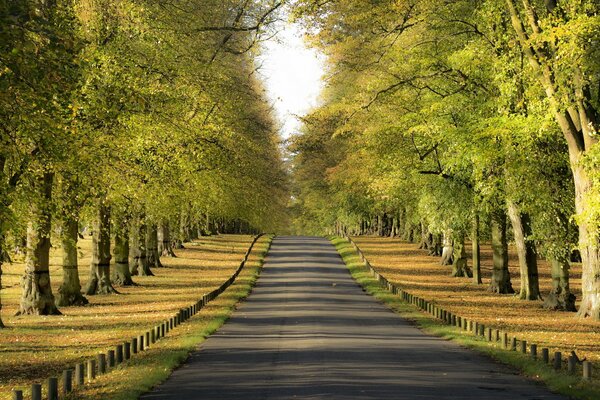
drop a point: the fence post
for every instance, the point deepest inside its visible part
(545, 355)
(91, 370)
(52, 389)
(557, 360)
(533, 350)
(524, 346)
(587, 370)
(36, 391)
(17, 394)
(67, 381)
(101, 363)
(111, 358)
(571, 364)
(79, 371)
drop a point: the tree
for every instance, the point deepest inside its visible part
(558, 41)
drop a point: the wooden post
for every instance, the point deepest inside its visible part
(147, 338)
(524, 346)
(91, 370)
(17, 394)
(52, 388)
(126, 350)
(67, 381)
(545, 355)
(141, 342)
(119, 354)
(36, 391)
(497, 335)
(79, 378)
(587, 370)
(101, 363)
(513, 344)
(505, 340)
(489, 334)
(111, 358)
(557, 360)
(571, 365)
(533, 351)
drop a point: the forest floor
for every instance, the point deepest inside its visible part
(34, 348)
(412, 269)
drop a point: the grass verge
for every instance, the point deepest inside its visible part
(572, 386)
(141, 373)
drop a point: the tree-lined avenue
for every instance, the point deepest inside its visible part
(308, 331)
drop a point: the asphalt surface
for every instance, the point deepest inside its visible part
(308, 331)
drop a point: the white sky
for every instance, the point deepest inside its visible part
(293, 76)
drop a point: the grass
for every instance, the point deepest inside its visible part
(559, 382)
(34, 348)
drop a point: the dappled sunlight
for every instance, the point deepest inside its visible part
(404, 264)
(52, 343)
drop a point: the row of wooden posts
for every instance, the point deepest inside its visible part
(468, 325)
(104, 362)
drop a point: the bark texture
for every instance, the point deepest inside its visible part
(37, 297)
(122, 275)
(526, 251)
(69, 292)
(2, 260)
(560, 297)
(476, 248)
(139, 265)
(500, 282)
(152, 247)
(447, 251)
(165, 246)
(459, 264)
(99, 282)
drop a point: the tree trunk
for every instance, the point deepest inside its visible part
(590, 251)
(579, 124)
(521, 224)
(37, 297)
(184, 231)
(476, 252)
(448, 250)
(152, 247)
(459, 265)
(1, 263)
(138, 248)
(560, 297)
(165, 247)
(426, 237)
(122, 274)
(69, 293)
(436, 246)
(3, 258)
(99, 282)
(500, 282)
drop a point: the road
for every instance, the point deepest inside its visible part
(308, 331)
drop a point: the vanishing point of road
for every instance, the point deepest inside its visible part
(308, 331)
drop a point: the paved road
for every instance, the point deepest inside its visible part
(309, 332)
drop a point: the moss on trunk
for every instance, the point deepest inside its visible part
(121, 274)
(476, 249)
(560, 297)
(37, 297)
(152, 247)
(69, 292)
(99, 282)
(459, 265)
(521, 224)
(500, 281)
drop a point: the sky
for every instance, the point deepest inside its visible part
(293, 76)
